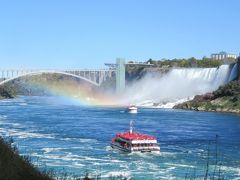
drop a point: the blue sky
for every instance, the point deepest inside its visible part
(87, 33)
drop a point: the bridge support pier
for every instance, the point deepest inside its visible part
(120, 75)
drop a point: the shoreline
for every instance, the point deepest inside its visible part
(213, 111)
(225, 99)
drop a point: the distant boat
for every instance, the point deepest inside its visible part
(135, 142)
(132, 109)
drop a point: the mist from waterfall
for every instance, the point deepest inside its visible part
(179, 84)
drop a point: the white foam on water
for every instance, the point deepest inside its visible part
(167, 154)
(66, 139)
(125, 174)
(146, 155)
(157, 172)
(48, 150)
(154, 171)
(87, 158)
(35, 154)
(87, 140)
(109, 148)
(57, 149)
(5, 101)
(82, 140)
(114, 161)
(23, 104)
(236, 170)
(9, 106)
(60, 157)
(77, 164)
(24, 135)
(61, 164)
(3, 116)
(10, 124)
(179, 165)
(77, 158)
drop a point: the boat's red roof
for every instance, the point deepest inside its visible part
(135, 136)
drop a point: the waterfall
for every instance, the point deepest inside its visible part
(177, 84)
(233, 73)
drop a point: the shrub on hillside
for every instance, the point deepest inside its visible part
(13, 166)
(7, 91)
(230, 89)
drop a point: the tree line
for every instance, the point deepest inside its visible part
(190, 62)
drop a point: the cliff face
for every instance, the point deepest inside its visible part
(225, 99)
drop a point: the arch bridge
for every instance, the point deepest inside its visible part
(95, 77)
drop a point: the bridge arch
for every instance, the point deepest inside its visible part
(49, 72)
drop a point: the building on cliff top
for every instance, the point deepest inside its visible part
(223, 56)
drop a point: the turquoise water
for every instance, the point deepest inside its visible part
(67, 137)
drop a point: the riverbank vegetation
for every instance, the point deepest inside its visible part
(225, 99)
(16, 167)
(13, 166)
(7, 91)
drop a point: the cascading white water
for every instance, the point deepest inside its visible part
(233, 74)
(177, 85)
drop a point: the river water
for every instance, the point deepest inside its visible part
(64, 136)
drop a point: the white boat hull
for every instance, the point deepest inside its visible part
(116, 145)
(132, 111)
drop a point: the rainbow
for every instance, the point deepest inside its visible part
(83, 93)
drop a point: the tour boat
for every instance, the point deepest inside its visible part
(132, 109)
(135, 142)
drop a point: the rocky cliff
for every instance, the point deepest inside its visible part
(225, 99)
